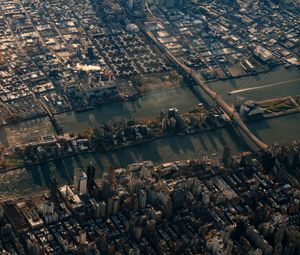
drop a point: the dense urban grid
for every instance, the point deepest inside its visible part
(59, 56)
(63, 55)
(231, 205)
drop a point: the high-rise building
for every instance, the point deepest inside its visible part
(116, 204)
(34, 247)
(48, 212)
(178, 197)
(137, 231)
(102, 241)
(81, 238)
(169, 3)
(106, 189)
(142, 198)
(1, 211)
(80, 181)
(226, 157)
(111, 175)
(143, 5)
(109, 208)
(131, 4)
(137, 5)
(90, 171)
(48, 207)
(102, 209)
(53, 188)
(134, 251)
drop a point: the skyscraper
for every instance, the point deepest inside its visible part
(106, 189)
(130, 4)
(80, 181)
(90, 176)
(53, 189)
(226, 157)
(142, 198)
(137, 5)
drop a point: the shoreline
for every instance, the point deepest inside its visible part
(140, 95)
(240, 76)
(121, 147)
(116, 148)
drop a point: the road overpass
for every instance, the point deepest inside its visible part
(228, 109)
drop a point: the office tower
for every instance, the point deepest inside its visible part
(80, 181)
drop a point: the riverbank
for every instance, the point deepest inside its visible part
(110, 137)
(136, 144)
(141, 95)
(147, 106)
(112, 149)
(282, 130)
(244, 75)
(15, 122)
(266, 105)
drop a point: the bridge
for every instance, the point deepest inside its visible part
(228, 109)
(58, 129)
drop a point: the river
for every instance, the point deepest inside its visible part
(281, 130)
